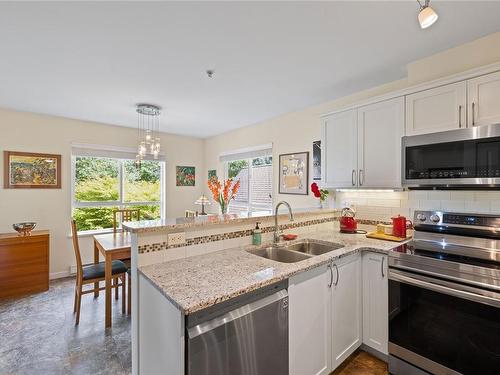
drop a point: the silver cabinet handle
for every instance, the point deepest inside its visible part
(353, 177)
(473, 110)
(338, 275)
(361, 177)
(331, 275)
(382, 268)
(460, 116)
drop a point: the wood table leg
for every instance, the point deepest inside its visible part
(107, 276)
(96, 260)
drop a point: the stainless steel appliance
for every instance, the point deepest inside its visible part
(465, 158)
(444, 296)
(247, 335)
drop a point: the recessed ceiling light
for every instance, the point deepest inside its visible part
(210, 73)
(427, 16)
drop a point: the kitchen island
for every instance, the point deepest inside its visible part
(169, 292)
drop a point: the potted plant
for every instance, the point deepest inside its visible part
(223, 192)
(322, 194)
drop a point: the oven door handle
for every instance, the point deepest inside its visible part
(446, 287)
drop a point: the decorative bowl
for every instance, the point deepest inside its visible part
(24, 229)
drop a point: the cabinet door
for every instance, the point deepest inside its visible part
(340, 145)
(380, 128)
(435, 110)
(375, 301)
(309, 322)
(346, 308)
(484, 100)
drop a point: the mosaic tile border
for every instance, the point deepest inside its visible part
(148, 248)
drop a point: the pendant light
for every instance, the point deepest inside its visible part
(427, 16)
(148, 130)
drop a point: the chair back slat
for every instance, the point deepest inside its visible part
(119, 216)
(76, 247)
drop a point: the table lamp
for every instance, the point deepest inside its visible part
(203, 200)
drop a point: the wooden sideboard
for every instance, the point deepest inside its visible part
(24, 263)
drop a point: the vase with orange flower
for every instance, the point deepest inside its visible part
(223, 192)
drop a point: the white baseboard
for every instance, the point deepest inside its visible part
(60, 275)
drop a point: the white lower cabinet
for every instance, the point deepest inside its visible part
(309, 319)
(346, 308)
(375, 301)
(333, 309)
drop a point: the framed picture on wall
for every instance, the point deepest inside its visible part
(294, 173)
(185, 176)
(316, 160)
(28, 170)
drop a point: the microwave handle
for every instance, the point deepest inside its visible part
(451, 289)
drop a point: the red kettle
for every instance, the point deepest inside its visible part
(348, 223)
(399, 226)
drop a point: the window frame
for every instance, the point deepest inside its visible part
(121, 191)
(250, 178)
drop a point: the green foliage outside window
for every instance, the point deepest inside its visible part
(98, 180)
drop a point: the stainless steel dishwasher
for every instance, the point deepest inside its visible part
(247, 335)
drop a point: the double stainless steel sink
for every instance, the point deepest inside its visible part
(295, 252)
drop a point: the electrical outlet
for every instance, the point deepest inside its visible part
(178, 238)
(72, 270)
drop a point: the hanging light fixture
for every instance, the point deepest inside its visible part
(427, 16)
(148, 130)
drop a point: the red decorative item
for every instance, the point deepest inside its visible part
(348, 223)
(319, 193)
(399, 226)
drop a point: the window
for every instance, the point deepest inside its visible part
(102, 184)
(256, 176)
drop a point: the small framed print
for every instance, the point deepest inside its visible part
(294, 173)
(27, 170)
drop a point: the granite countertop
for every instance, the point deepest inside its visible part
(207, 220)
(198, 282)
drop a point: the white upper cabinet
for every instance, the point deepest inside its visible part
(484, 100)
(346, 308)
(309, 319)
(375, 301)
(340, 149)
(438, 109)
(380, 128)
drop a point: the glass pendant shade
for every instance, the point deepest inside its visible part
(148, 128)
(427, 17)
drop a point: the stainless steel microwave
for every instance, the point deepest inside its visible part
(463, 158)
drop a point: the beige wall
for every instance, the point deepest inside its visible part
(51, 209)
(295, 132)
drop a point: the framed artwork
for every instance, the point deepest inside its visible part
(212, 173)
(294, 173)
(27, 170)
(317, 160)
(185, 176)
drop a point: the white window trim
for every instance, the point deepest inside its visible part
(120, 202)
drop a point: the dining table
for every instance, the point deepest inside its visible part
(112, 246)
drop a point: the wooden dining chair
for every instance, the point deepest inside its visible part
(126, 214)
(94, 273)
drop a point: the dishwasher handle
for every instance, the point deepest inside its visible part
(240, 312)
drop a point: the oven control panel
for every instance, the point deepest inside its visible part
(440, 218)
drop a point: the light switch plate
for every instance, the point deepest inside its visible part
(178, 238)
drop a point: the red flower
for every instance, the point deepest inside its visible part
(315, 189)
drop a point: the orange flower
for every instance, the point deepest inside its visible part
(236, 187)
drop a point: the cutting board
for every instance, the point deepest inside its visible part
(381, 236)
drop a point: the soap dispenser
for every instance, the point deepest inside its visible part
(257, 235)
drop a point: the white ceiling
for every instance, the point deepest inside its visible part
(94, 61)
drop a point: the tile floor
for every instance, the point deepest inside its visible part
(362, 363)
(38, 335)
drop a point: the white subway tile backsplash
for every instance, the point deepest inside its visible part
(439, 195)
(495, 207)
(418, 195)
(429, 205)
(462, 195)
(453, 206)
(477, 206)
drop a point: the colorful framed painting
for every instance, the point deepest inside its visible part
(212, 173)
(185, 176)
(294, 173)
(27, 170)
(317, 160)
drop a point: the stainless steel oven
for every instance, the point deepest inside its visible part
(457, 158)
(444, 297)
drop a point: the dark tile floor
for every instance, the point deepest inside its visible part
(38, 335)
(362, 363)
